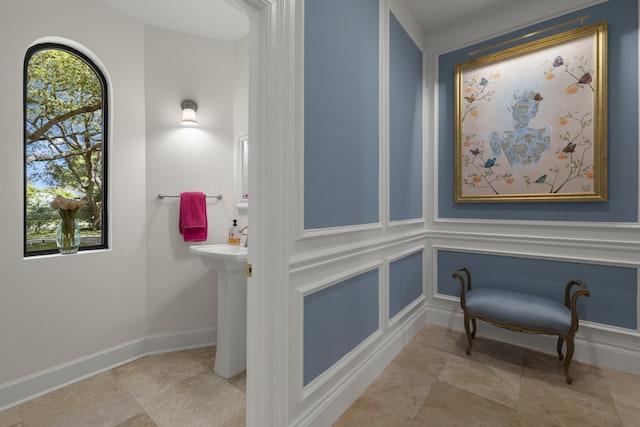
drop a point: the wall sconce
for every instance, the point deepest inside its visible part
(189, 109)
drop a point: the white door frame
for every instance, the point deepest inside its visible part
(272, 124)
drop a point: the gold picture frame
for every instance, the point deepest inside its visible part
(531, 121)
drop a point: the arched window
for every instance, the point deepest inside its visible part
(65, 147)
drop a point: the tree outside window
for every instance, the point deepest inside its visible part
(65, 145)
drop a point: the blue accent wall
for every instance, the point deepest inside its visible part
(613, 299)
(337, 319)
(405, 124)
(405, 282)
(622, 206)
(341, 141)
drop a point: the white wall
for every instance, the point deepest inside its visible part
(56, 309)
(241, 88)
(181, 291)
(241, 103)
(64, 317)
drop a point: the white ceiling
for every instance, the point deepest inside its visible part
(215, 19)
(219, 20)
(440, 14)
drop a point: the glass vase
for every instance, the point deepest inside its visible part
(68, 236)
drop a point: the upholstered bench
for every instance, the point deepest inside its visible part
(522, 312)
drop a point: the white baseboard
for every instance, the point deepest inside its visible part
(328, 408)
(163, 343)
(23, 389)
(595, 344)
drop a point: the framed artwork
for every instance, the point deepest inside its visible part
(531, 121)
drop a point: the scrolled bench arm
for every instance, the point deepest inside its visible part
(465, 284)
(571, 301)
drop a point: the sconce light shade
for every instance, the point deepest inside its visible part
(189, 109)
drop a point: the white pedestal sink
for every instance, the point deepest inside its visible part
(229, 262)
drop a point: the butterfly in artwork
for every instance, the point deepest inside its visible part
(585, 79)
(483, 81)
(538, 97)
(470, 98)
(541, 180)
(489, 163)
(570, 148)
(475, 151)
(558, 61)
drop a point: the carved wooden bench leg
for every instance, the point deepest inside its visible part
(567, 360)
(560, 340)
(470, 334)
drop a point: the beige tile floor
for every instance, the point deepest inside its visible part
(430, 383)
(433, 383)
(170, 389)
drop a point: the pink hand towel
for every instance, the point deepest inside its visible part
(193, 216)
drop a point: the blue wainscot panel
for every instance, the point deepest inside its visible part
(622, 156)
(613, 299)
(405, 282)
(341, 154)
(405, 124)
(337, 319)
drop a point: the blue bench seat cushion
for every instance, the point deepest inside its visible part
(525, 310)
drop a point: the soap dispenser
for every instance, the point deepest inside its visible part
(234, 234)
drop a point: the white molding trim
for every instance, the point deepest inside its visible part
(601, 346)
(540, 223)
(573, 250)
(383, 296)
(324, 256)
(305, 391)
(328, 408)
(598, 257)
(390, 322)
(418, 302)
(303, 291)
(274, 85)
(330, 231)
(405, 253)
(241, 204)
(29, 387)
(300, 232)
(409, 22)
(249, 6)
(314, 287)
(638, 299)
(410, 221)
(384, 138)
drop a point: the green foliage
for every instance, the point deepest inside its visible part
(64, 128)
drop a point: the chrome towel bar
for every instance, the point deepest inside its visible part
(162, 196)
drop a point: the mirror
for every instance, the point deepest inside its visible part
(241, 170)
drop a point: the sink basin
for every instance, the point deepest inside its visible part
(222, 257)
(222, 252)
(229, 263)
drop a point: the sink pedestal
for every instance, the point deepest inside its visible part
(229, 262)
(231, 350)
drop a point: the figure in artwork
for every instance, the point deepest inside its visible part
(523, 144)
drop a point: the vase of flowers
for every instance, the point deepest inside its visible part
(68, 232)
